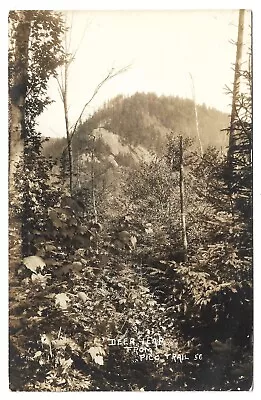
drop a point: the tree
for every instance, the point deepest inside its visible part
(196, 115)
(233, 137)
(63, 90)
(236, 86)
(20, 26)
(182, 207)
(239, 158)
(34, 54)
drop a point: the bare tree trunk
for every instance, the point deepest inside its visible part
(232, 136)
(66, 118)
(63, 89)
(236, 87)
(182, 207)
(17, 94)
(92, 182)
(196, 116)
(78, 181)
(18, 87)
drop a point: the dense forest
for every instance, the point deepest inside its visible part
(130, 250)
(147, 120)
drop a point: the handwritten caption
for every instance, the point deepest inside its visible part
(152, 349)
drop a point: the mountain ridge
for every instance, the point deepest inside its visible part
(141, 123)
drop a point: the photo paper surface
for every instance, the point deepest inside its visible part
(130, 201)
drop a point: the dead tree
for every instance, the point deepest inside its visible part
(182, 206)
(236, 87)
(63, 89)
(231, 159)
(196, 115)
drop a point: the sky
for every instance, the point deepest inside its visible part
(162, 48)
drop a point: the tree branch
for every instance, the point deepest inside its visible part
(80, 42)
(60, 89)
(111, 74)
(98, 87)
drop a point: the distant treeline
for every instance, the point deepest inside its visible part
(146, 119)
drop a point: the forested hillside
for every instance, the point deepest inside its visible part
(147, 120)
(130, 251)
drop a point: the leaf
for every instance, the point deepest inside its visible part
(83, 261)
(61, 300)
(69, 232)
(73, 204)
(133, 241)
(34, 262)
(50, 247)
(46, 339)
(40, 279)
(97, 354)
(55, 219)
(73, 222)
(64, 342)
(83, 241)
(82, 229)
(37, 354)
(76, 266)
(82, 296)
(51, 262)
(65, 364)
(61, 271)
(92, 351)
(99, 360)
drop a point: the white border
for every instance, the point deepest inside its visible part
(126, 5)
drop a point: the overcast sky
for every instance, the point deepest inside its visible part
(163, 48)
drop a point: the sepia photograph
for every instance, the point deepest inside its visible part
(130, 200)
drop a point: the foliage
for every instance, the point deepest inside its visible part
(45, 53)
(239, 168)
(105, 266)
(95, 288)
(215, 286)
(81, 298)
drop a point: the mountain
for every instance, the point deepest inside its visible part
(129, 128)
